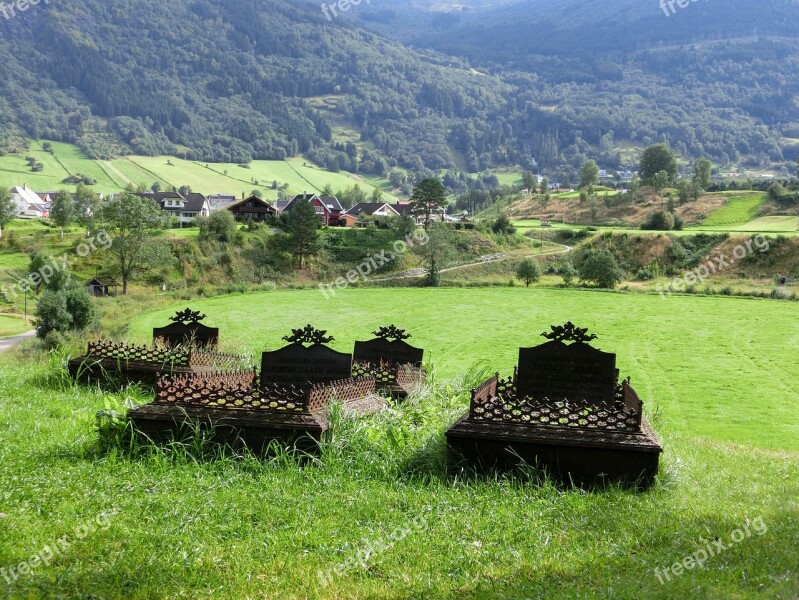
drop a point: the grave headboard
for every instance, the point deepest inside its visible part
(389, 346)
(576, 371)
(306, 360)
(185, 329)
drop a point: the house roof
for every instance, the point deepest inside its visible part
(194, 202)
(403, 208)
(102, 281)
(330, 202)
(219, 202)
(298, 198)
(243, 200)
(280, 205)
(27, 194)
(370, 208)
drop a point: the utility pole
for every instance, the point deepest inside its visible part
(26, 306)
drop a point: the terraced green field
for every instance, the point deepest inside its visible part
(208, 178)
(737, 211)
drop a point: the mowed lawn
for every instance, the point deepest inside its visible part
(714, 366)
(12, 326)
(737, 211)
(376, 515)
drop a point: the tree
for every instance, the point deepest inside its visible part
(661, 181)
(529, 181)
(377, 195)
(51, 278)
(435, 250)
(655, 159)
(703, 170)
(503, 225)
(8, 210)
(303, 232)
(589, 174)
(87, 207)
(660, 220)
(567, 272)
(63, 210)
(528, 271)
(326, 191)
(602, 269)
(220, 226)
(155, 187)
(257, 193)
(63, 307)
(130, 221)
(545, 185)
(403, 226)
(429, 198)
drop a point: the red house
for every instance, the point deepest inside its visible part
(328, 208)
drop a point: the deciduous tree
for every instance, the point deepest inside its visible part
(528, 271)
(657, 158)
(8, 210)
(131, 221)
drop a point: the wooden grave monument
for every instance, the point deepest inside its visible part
(564, 412)
(288, 404)
(395, 364)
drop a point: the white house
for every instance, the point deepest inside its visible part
(29, 204)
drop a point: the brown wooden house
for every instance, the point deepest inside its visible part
(252, 209)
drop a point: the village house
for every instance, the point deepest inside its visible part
(379, 210)
(328, 208)
(29, 204)
(183, 207)
(252, 209)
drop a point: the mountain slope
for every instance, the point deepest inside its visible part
(557, 82)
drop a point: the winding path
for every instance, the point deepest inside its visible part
(10, 342)
(566, 250)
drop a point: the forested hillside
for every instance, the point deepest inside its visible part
(545, 87)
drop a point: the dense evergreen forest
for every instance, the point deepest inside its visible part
(236, 80)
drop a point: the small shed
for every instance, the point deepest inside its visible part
(101, 286)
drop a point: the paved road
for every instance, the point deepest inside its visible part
(7, 343)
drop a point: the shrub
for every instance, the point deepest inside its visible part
(528, 271)
(54, 340)
(601, 269)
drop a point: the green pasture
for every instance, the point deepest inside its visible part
(375, 514)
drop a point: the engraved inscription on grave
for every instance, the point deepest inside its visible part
(298, 365)
(557, 371)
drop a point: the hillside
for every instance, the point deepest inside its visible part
(231, 81)
(713, 78)
(291, 176)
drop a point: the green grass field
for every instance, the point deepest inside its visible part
(12, 326)
(111, 176)
(375, 516)
(717, 357)
(737, 211)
